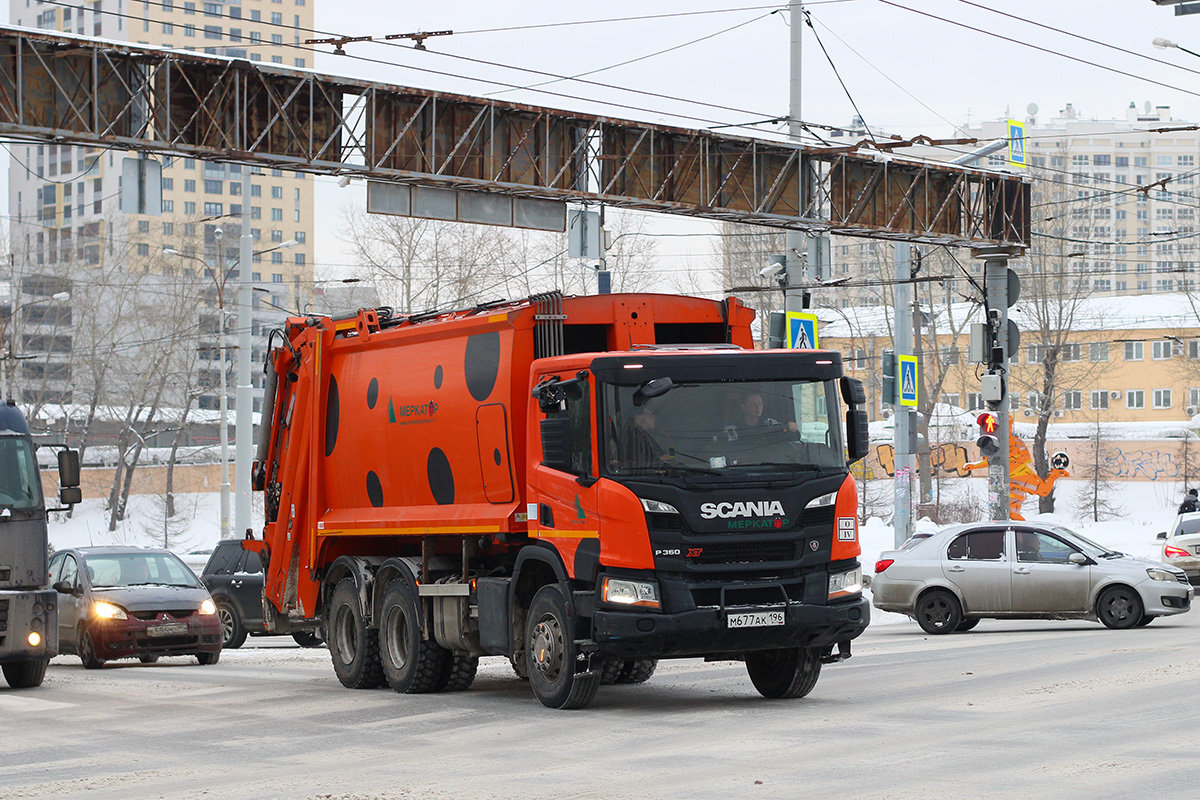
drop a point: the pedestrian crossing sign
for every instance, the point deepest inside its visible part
(908, 380)
(802, 330)
(1016, 144)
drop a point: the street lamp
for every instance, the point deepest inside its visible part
(1166, 44)
(6, 342)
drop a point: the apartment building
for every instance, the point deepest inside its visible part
(65, 199)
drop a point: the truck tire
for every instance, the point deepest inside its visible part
(791, 672)
(638, 670)
(25, 674)
(308, 638)
(233, 632)
(411, 664)
(459, 672)
(550, 653)
(353, 648)
(610, 672)
(87, 651)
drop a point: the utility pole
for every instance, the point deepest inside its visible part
(903, 420)
(1000, 291)
(794, 241)
(245, 392)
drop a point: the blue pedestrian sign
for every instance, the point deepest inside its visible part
(1016, 144)
(802, 330)
(908, 380)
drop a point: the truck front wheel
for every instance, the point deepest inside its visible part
(791, 672)
(550, 653)
(353, 648)
(25, 674)
(411, 664)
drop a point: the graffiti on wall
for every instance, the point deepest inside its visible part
(946, 457)
(1141, 464)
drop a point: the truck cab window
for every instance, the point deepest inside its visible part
(580, 413)
(20, 488)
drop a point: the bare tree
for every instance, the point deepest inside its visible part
(1095, 500)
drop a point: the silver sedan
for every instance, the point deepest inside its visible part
(1019, 570)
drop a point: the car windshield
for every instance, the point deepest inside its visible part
(139, 569)
(1085, 544)
(712, 428)
(20, 488)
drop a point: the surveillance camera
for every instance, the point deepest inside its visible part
(771, 270)
(343, 181)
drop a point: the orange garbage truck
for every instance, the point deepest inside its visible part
(582, 484)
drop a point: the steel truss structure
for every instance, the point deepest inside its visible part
(75, 90)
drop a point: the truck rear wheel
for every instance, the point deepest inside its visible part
(638, 670)
(353, 648)
(791, 672)
(550, 653)
(25, 674)
(459, 672)
(411, 664)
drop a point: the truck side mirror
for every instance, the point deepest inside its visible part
(556, 443)
(857, 438)
(68, 468)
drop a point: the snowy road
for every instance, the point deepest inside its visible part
(1015, 709)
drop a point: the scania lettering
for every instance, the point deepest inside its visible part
(591, 488)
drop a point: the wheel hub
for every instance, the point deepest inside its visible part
(546, 647)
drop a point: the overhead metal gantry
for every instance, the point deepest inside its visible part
(75, 90)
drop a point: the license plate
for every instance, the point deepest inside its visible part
(754, 619)
(167, 629)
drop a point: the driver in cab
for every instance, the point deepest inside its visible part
(749, 421)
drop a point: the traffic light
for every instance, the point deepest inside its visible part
(988, 441)
(889, 377)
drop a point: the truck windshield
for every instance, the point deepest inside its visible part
(19, 485)
(719, 426)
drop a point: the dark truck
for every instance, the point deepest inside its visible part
(28, 607)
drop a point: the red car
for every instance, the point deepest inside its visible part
(130, 602)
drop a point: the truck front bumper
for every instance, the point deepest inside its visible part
(705, 631)
(23, 613)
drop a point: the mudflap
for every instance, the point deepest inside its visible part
(843, 653)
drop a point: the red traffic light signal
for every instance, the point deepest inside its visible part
(987, 423)
(988, 443)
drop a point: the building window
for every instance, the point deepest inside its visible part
(189, 208)
(277, 192)
(950, 399)
(277, 214)
(974, 401)
(861, 355)
(1161, 351)
(235, 34)
(1134, 351)
(212, 31)
(1072, 352)
(212, 9)
(1099, 399)
(189, 186)
(950, 356)
(1194, 398)
(276, 18)
(143, 226)
(189, 31)
(277, 257)
(214, 187)
(300, 237)
(276, 277)
(1072, 400)
(276, 38)
(214, 209)
(1098, 351)
(1135, 398)
(1036, 354)
(1162, 398)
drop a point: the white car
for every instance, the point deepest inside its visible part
(1181, 545)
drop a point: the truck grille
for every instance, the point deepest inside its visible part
(744, 595)
(744, 553)
(3, 616)
(823, 516)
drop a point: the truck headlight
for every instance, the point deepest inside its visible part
(843, 584)
(1161, 575)
(208, 607)
(105, 610)
(824, 500)
(655, 507)
(625, 592)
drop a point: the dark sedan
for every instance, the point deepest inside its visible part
(129, 602)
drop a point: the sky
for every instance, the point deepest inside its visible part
(908, 66)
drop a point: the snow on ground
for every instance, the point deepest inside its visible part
(1145, 509)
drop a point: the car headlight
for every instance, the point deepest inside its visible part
(843, 584)
(827, 499)
(1157, 574)
(655, 507)
(105, 610)
(208, 607)
(643, 594)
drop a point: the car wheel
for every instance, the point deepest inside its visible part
(87, 651)
(148, 659)
(25, 674)
(966, 625)
(233, 632)
(208, 658)
(411, 663)
(791, 672)
(308, 638)
(353, 647)
(550, 653)
(1119, 607)
(1146, 620)
(938, 612)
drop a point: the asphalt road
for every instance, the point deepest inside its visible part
(1011, 709)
